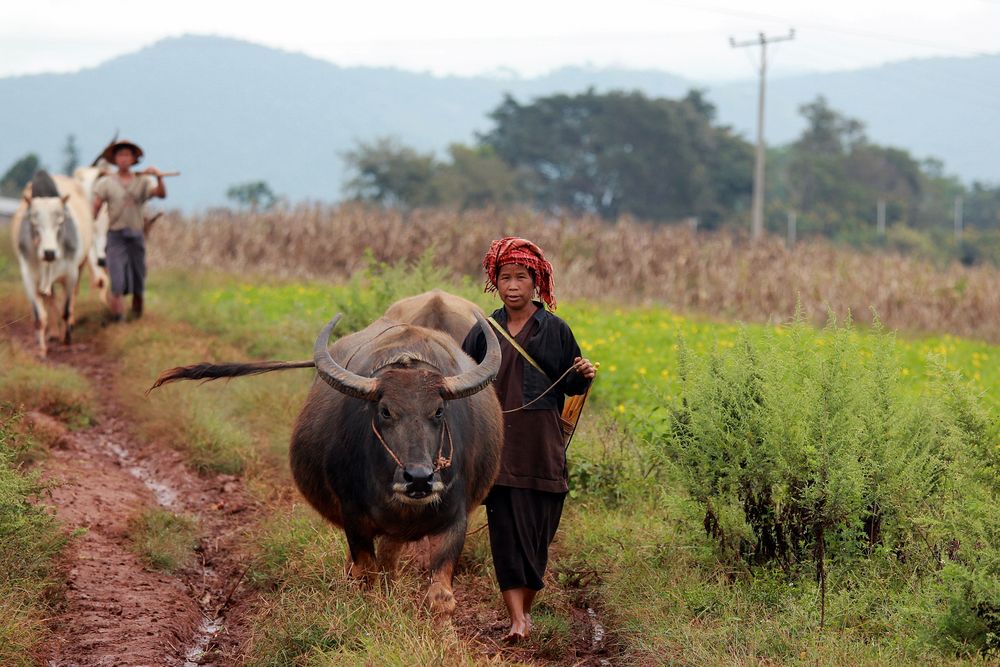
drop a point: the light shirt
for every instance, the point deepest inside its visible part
(124, 202)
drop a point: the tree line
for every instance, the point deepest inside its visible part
(663, 161)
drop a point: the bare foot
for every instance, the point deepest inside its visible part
(513, 637)
(519, 631)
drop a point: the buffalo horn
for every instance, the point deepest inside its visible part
(475, 379)
(337, 376)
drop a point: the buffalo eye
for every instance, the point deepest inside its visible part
(384, 413)
(439, 413)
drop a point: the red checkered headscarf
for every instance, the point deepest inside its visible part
(512, 250)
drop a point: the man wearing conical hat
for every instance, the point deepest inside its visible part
(125, 192)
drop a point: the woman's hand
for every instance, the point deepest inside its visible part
(584, 368)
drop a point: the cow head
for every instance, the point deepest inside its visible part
(408, 396)
(44, 231)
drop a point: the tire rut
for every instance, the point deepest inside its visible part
(115, 610)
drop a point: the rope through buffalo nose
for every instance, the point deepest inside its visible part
(440, 462)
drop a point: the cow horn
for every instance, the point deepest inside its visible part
(476, 379)
(337, 376)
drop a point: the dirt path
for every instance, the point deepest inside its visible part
(116, 610)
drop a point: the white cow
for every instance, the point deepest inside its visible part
(51, 231)
(97, 252)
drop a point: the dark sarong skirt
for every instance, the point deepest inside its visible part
(522, 523)
(126, 255)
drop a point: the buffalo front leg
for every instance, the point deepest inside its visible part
(446, 548)
(388, 555)
(362, 565)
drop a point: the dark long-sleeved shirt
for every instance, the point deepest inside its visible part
(533, 455)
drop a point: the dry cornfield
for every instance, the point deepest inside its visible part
(718, 274)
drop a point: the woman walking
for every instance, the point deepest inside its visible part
(525, 505)
(125, 193)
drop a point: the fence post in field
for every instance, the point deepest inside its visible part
(791, 229)
(958, 217)
(880, 225)
(692, 223)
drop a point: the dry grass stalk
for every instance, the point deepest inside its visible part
(719, 274)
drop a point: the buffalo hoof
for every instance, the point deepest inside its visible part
(441, 601)
(364, 572)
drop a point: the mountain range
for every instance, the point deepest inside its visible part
(224, 111)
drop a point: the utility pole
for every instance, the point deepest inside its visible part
(757, 223)
(958, 218)
(880, 216)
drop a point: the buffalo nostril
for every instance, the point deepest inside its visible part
(102, 262)
(49, 255)
(418, 476)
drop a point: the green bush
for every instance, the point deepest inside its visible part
(806, 451)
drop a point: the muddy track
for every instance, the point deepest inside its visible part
(115, 609)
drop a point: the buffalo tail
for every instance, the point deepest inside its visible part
(208, 372)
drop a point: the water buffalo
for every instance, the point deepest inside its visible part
(51, 232)
(437, 310)
(396, 441)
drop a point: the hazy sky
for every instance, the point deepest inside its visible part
(529, 37)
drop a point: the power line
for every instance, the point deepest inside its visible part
(831, 28)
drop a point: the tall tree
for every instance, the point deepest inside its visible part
(982, 207)
(19, 175)
(253, 194)
(476, 177)
(72, 155)
(388, 173)
(623, 153)
(836, 176)
(827, 131)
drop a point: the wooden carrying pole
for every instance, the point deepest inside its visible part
(165, 174)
